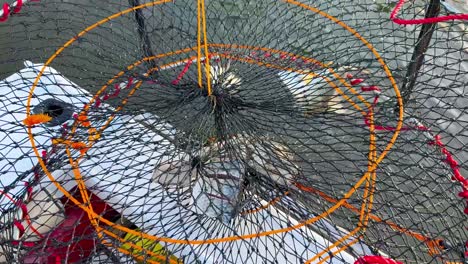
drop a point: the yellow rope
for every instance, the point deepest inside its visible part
(205, 44)
(199, 54)
(201, 30)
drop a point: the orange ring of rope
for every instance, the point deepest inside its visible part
(119, 75)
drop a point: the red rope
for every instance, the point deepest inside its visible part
(449, 159)
(6, 12)
(370, 88)
(356, 81)
(24, 243)
(116, 90)
(29, 189)
(20, 227)
(115, 93)
(98, 103)
(7, 9)
(130, 82)
(24, 210)
(396, 10)
(390, 128)
(182, 73)
(19, 5)
(376, 260)
(44, 155)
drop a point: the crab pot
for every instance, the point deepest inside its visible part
(231, 132)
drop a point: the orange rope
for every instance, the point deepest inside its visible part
(216, 240)
(199, 50)
(366, 204)
(175, 63)
(201, 30)
(83, 191)
(100, 230)
(205, 44)
(370, 187)
(369, 192)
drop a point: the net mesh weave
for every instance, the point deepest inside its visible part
(298, 152)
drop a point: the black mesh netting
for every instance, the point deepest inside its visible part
(232, 132)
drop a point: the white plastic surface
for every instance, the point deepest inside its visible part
(16, 155)
(132, 192)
